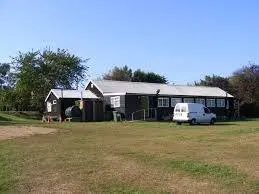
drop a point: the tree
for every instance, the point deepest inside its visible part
(6, 77)
(215, 81)
(125, 74)
(141, 76)
(119, 73)
(245, 82)
(38, 72)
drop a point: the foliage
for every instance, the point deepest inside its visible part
(151, 77)
(37, 72)
(243, 84)
(119, 73)
(215, 81)
(6, 77)
(125, 74)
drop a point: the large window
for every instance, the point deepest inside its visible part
(163, 102)
(220, 102)
(174, 101)
(115, 102)
(200, 101)
(188, 100)
(211, 103)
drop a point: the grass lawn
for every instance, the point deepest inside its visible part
(132, 157)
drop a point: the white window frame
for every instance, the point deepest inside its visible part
(174, 101)
(163, 102)
(221, 103)
(188, 100)
(211, 102)
(54, 102)
(200, 101)
(115, 101)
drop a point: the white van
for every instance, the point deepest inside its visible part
(193, 113)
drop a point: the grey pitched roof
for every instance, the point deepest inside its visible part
(108, 86)
(86, 94)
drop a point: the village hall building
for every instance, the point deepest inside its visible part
(130, 99)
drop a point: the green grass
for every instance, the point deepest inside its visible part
(131, 157)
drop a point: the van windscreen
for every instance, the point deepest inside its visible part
(183, 109)
(177, 108)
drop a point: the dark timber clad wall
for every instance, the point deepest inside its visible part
(121, 109)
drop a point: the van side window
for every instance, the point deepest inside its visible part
(206, 110)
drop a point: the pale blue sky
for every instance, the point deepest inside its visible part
(183, 40)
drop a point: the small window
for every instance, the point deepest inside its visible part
(163, 102)
(188, 100)
(115, 102)
(174, 101)
(211, 103)
(54, 102)
(200, 101)
(220, 102)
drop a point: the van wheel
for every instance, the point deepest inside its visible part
(179, 123)
(212, 121)
(193, 122)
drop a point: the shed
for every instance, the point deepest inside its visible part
(58, 100)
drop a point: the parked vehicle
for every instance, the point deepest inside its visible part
(193, 113)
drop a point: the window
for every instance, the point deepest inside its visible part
(220, 102)
(163, 102)
(183, 109)
(188, 100)
(174, 101)
(49, 106)
(210, 102)
(115, 102)
(206, 110)
(200, 101)
(54, 102)
(177, 108)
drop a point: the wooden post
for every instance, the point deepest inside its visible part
(94, 117)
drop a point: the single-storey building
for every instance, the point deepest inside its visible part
(58, 100)
(133, 97)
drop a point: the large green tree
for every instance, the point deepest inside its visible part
(38, 72)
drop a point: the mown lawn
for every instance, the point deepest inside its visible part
(133, 157)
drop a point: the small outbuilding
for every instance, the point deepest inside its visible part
(58, 100)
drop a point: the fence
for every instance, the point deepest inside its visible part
(144, 114)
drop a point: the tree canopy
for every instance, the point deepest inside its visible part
(215, 81)
(243, 84)
(126, 74)
(37, 72)
(119, 73)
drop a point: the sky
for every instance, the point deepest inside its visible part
(182, 40)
